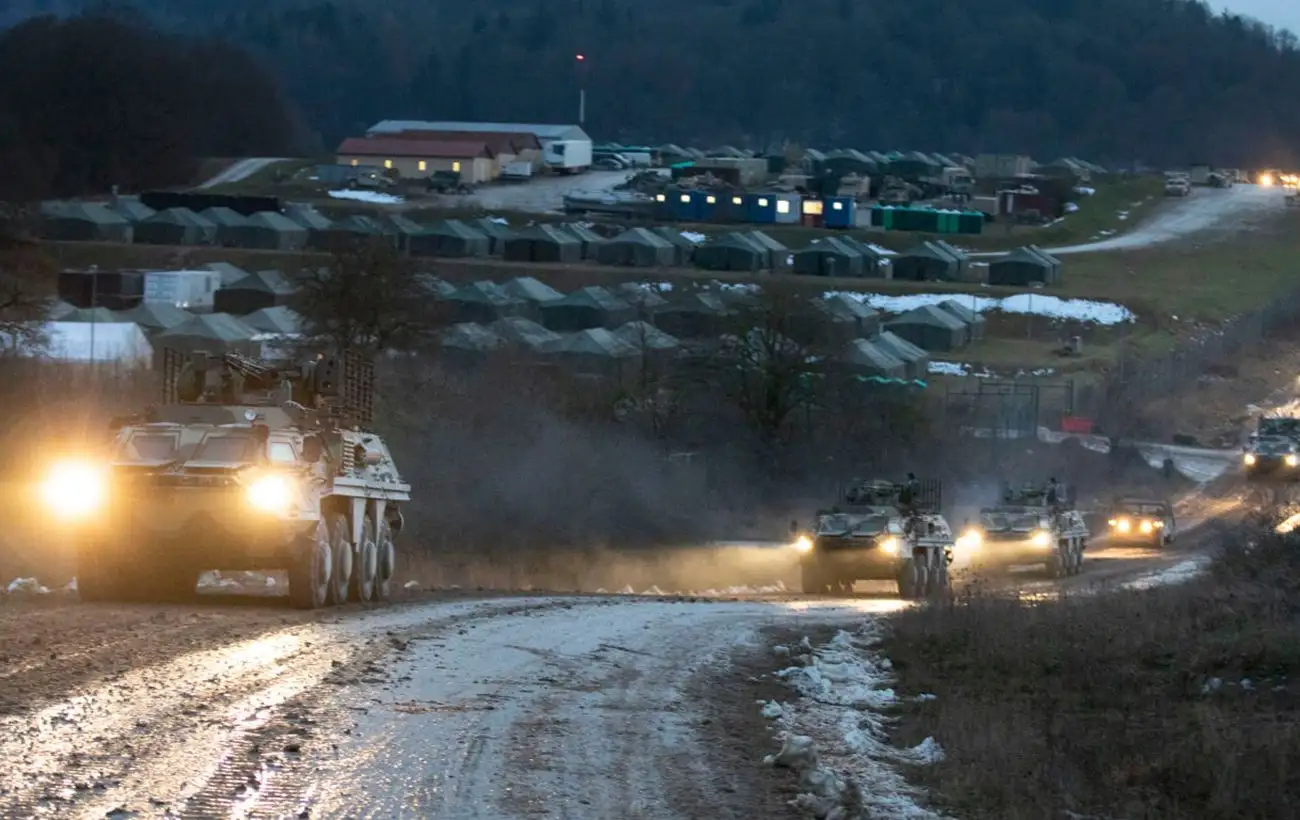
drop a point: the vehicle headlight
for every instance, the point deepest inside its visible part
(1145, 527)
(1249, 459)
(970, 540)
(802, 544)
(890, 545)
(74, 488)
(1292, 460)
(1124, 525)
(1160, 525)
(1041, 538)
(271, 493)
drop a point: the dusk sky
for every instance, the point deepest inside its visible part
(1278, 13)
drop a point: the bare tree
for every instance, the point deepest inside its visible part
(27, 278)
(367, 299)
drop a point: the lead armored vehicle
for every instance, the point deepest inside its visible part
(1023, 529)
(873, 535)
(242, 466)
(1273, 451)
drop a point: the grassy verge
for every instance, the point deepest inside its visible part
(1176, 702)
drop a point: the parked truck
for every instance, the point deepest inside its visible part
(567, 156)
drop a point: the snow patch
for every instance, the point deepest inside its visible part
(411, 585)
(26, 586)
(692, 236)
(371, 197)
(836, 734)
(1032, 304)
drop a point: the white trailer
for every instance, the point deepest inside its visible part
(189, 289)
(567, 156)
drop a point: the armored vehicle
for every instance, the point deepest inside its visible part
(874, 534)
(1273, 451)
(242, 466)
(1141, 521)
(1023, 529)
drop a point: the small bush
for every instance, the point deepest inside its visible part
(1175, 702)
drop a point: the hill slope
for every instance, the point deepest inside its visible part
(1119, 80)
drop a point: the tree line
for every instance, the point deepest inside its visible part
(100, 100)
(1117, 81)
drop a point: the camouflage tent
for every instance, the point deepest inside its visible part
(931, 328)
(228, 224)
(483, 302)
(543, 243)
(829, 257)
(357, 228)
(824, 322)
(228, 272)
(316, 224)
(694, 316)
(876, 262)
(1020, 268)
(1054, 278)
(586, 308)
(778, 255)
(467, 343)
(279, 319)
(644, 300)
(531, 290)
(156, 316)
(962, 258)
(214, 333)
(451, 238)
(870, 358)
(926, 262)
(639, 248)
(268, 230)
(974, 322)
(591, 241)
(496, 231)
(593, 349)
(130, 208)
(175, 226)
(867, 320)
(83, 222)
(435, 287)
(525, 333)
(732, 252)
(97, 315)
(916, 359)
(683, 248)
(263, 289)
(647, 338)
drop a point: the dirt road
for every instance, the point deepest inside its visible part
(239, 171)
(544, 194)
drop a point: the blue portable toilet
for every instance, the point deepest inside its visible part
(760, 208)
(788, 209)
(840, 212)
(705, 205)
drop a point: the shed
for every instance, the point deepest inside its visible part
(484, 302)
(130, 208)
(647, 338)
(230, 274)
(870, 358)
(525, 333)
(263, 289)
(531, 290)
(268, 230)
(279, 320)
(156, 317)
(916, 359)
(683, 248)
(926, 262)
(778, 255)
(543, 243)
(590, 240)
(732, 252)
(215, 333)
(638, 248)
(228, 224)
(931, 328)
(497, 232)
(451, 238)
(175, 226)
(586, 308)
(967, 316)
(116, 341)
(83, 222)
(828, 257)
(694, 316)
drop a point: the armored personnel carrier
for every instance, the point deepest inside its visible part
(242, 466)
(1023, 529)
(1273, 451)
(874, 535)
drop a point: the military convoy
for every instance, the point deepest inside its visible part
(242, 466)
(1273, 451)
(1027, 527)
(880, 531)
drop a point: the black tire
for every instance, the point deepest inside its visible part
(387, 549)
(1058, 564)
(911, 580)
(365, 565)
(938, 582)
(341, 564)
(311, 571)
(813, 579)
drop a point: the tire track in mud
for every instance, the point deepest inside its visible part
(226, 732)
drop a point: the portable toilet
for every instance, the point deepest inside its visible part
(760, 208)
(788, 208)
(814, 211)
(840, 212)
(704, 206)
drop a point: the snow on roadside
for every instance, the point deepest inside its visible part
(371, 197)
(1079, 310)
(835, 734)
(32, 586)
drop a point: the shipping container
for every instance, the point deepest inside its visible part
(840, 212)
(760, 209)
(788, 210)
(115, 290)
(189, 289)
(814, 212)
(704, 206)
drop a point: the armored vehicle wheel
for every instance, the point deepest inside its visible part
(844, 586)
(813, 579)
(340, 538)
(937, 579)
(365, 565)
(1058, 564)
(387, 565)
(911, 579)
(310, 574)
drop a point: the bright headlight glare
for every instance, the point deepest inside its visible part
(1041, 538)
(74, 488)
(1145, 526)
(270, 493)
(1125, 525)
(1249, 459)
(890, 545)
(971, 539)
(802, 544)
(1292, 460)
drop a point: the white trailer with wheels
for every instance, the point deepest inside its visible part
(567, 156)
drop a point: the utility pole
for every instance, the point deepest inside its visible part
(94, 303)
(582, 88)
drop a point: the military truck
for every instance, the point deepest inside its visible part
(873, 535)
(243, 465)
(1023, 529)
(1136, 520)
(1273, 451)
